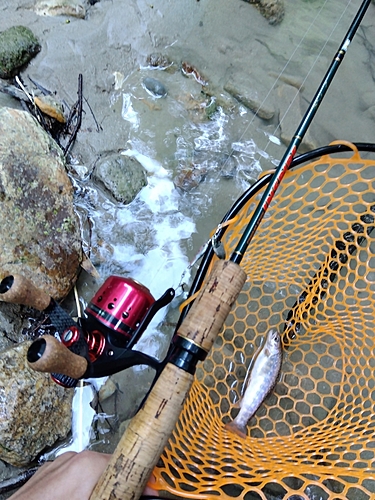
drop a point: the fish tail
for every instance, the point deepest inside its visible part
(236, 428)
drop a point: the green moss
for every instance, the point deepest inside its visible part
(17, 46)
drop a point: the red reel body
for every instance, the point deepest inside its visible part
(112, 316)
(120, 304)
(112, 324)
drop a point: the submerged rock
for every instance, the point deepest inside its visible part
(34, 411)
(18, 46)
(40, 229)
(250, 95)
(189, 178)
(273, 10)
(74, 8)
(290, 114)
(154, 87)
(123, 176)
(158, 61)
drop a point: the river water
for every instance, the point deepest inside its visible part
(154, 238)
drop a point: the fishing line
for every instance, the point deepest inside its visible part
(166, 259)
(327, 40)
(308, 73)
(287, 64)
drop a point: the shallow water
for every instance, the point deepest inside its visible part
(154, 238)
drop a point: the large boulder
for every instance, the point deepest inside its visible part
(34, 411)
(40, 229)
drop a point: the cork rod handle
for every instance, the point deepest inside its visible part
(17, 289)
(144, 440)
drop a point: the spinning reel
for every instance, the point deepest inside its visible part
(98, 344)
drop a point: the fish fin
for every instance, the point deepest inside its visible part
(233, 427)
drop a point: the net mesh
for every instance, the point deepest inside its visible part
(311, 274)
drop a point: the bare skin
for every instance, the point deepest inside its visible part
(72, 475)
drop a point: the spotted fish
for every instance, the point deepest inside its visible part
(261, 380)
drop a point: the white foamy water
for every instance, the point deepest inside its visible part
(161, 267)
(149, 237)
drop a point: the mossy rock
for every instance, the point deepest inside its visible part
(18, 45)
(122, 176)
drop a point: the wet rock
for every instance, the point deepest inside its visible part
(251, 95)
(199, 107)
(291, 115)
(222, 99)
(34, 411)
(74, 8)
(40, 230)
(158, 61)
(272, 10)
(189, 70)
(50, 107)
(18, 46)
(189, 178)
(122, 176)
(289, 79)
(107, 390)
(154, 87)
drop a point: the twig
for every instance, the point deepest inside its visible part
(98, 126)
(40, 87)
(12, 90)
(22, 87)
(78, 305)
(76, 110)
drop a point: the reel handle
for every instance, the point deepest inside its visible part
(46, 354)
(147, 435)
(17, 289)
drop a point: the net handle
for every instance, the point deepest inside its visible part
(143, 442)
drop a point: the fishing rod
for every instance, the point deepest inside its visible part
(148, 432)
(143, 442)
(290, 152)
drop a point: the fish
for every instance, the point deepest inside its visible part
(261, 380)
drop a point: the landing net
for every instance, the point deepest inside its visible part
(311, 274)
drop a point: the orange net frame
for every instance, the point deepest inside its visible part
(311, 274)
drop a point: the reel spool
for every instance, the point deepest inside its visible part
(116, 311)
(110, 321)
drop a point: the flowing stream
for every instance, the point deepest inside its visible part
(154, 238)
